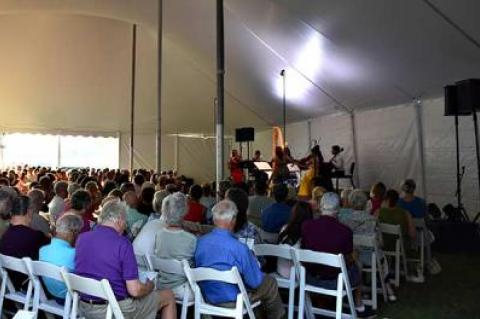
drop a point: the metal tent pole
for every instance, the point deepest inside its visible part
(132, 92)
(158, 139)
(284, 79)
(219, 128)
(419, 125)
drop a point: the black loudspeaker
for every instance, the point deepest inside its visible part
(452, 105)
(245, 134)
(468, 94)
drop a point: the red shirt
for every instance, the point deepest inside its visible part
(196, 212)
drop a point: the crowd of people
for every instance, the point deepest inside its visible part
(93, 222)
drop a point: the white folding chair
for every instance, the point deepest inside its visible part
(232, 276)
(250, 242)
(77, 285)
(399, 253)
(22, 314)
(267, 237)
(7, 290)
(421, 228)
(172, 266)
(343, 285)
(290, 283)
(40, 269)
(370, 242)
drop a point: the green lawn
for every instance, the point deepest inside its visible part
(454, 293)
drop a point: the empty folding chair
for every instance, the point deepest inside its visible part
(343, 285)
(7, 290)
(421, 228)
(399, 253)
(40, 269)
(290, 283)
(77, 285)
(172, 266)
(22, 314)
(375, 267)
(232, 276)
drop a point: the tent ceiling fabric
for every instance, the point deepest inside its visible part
(66, 64)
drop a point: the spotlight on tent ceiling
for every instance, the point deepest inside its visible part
(305, 68)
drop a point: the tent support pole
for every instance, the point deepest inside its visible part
(158, 137)
(421, 153)
(132, 94)
(356, 175)
(219, 128)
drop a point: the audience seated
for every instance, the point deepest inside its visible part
(291, 233)
(145, 200)
(327, 234)
(6, 203)
(173, 242)
(144, 243)
(259, 201)
(134, 218)
(196, 211)
(208, 200)
(377, 195)
(221, 250)
(415, 205)
(81, 202)
(56, 207)
(243, 228)
(37, 200)
(113, 259)
(20, 240)
(277, 214)
(61, 252)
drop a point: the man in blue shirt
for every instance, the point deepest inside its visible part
(221, 250)
(275, 216)
(415, 205)
(61, 253)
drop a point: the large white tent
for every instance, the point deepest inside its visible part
(367, 75)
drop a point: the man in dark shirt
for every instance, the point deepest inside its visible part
(19, 240)
(326, 234)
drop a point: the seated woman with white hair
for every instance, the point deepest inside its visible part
(356, 217)
(173, 242)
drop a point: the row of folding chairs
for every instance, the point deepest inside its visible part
(34, 299)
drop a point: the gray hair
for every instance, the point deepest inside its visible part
(113, 211)
(330, 203)
(72, 188)
(158, 199)
(60, 186)
(69, 223)
(358, 199)
(174, 208)
(225, 210)
(37, 197)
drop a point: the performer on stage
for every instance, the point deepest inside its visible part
(337, 161)
(236, 172)
(257, 156)
(318, 174)
(280, 172)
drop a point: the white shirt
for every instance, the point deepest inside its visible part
(144, 243)
(338, 162)
(56, 208)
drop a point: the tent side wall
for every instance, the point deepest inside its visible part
(389, 148)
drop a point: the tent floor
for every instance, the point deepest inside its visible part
(454, 293)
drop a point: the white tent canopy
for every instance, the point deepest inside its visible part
(66, 68)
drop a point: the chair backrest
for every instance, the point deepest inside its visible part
(95, 288)
(14, 263)
(282, 251)
(352, 168)
(250, 242)
(171, 266)
(232, 276)
(390, 229)
(44, 269)
(419, 223)
(315, 257)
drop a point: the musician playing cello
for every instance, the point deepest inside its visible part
(318, 172)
